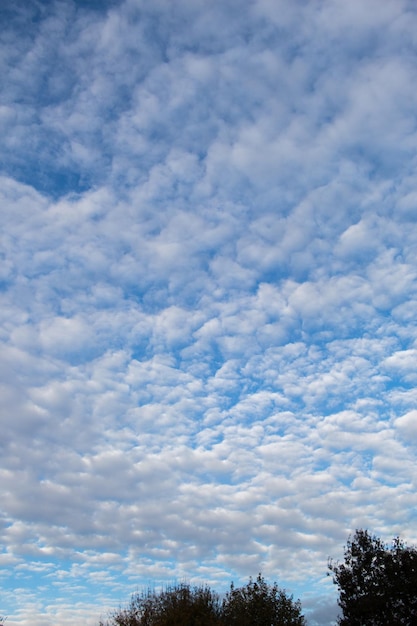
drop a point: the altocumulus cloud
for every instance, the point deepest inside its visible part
(208, 295)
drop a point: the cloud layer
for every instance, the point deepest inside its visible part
(208, 295)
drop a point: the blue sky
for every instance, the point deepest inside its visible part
(208, 295)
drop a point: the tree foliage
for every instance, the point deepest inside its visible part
(259, 604)
(180, 605)
(377, 583)
(256, 604)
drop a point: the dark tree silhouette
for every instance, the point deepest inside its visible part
(256, 604)
(377, 583)
(259, 604)
(180, 605)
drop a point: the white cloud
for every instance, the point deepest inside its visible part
(207, 295)
(407, 425)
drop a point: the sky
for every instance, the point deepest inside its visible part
(208, 289)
